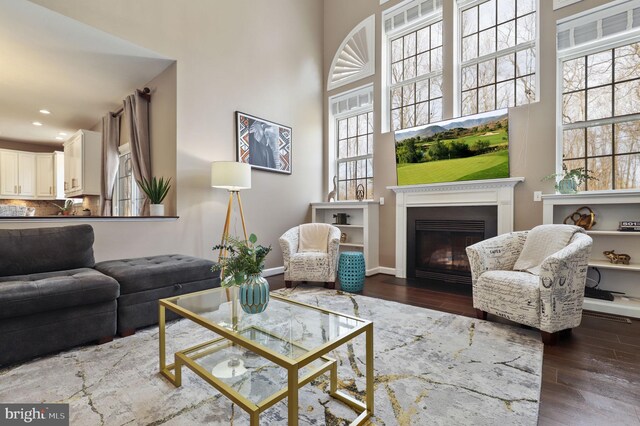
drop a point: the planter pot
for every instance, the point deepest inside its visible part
(254, 294)
(567, 186)
(156, 210)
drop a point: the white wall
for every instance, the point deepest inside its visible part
(260, 57)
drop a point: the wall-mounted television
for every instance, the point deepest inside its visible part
(474, 147)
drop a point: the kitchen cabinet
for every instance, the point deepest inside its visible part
(17, 174)
(50, 176)
(82, 164)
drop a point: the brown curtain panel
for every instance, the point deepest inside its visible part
(110, 143)
(136, 112)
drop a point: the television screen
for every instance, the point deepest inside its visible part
(467, 148)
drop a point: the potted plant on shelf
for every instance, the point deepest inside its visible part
(570, 180)
(156, 191)
(66, 209)
(241, 264)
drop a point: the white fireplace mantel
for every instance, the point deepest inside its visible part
(490, 192)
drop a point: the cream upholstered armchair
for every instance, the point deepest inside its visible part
(303, 261)
(548, 297)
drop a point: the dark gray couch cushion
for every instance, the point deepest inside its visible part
(29, 294)
(147, 273)
(30, 251)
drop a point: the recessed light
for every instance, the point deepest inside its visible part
(45, 111)
(60, 138)
(37, 123)
(62, 134)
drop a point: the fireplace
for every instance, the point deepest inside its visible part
(438, 236)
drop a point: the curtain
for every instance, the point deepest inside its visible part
(110, 143)
(136, 112)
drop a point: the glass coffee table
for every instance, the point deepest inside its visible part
(256, 360)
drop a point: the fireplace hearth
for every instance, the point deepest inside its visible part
(437, 238)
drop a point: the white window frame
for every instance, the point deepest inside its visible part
(460, 7)
(580, 50)
(343, 105)
(135, 190)
(385, 56)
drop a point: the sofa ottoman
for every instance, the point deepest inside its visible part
(143, 281)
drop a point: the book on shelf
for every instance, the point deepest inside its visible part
(629, 229)
(630, 223)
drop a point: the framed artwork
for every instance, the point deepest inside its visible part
(263, 144)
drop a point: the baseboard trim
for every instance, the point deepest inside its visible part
(273, 271)
(387, 271)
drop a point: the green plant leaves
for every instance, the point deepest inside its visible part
(155, 190)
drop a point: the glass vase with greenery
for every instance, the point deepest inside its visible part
(570, 180)
(240, 259)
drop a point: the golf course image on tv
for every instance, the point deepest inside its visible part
(467, 148)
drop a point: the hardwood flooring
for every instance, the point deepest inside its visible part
(590, 378)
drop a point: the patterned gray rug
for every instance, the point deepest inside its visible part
(431, 368)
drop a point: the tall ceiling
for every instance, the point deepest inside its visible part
(78, 73)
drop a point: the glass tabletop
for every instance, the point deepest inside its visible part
(285, 327)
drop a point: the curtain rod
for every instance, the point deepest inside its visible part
(145, 93)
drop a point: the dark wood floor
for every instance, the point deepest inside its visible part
(590, 378)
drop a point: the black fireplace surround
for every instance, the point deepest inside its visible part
(438, 236)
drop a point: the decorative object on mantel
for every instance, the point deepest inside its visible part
(263, 144)
(360, 192)
(341, 218)
(242, 263)
(570, 180)
(584, 217)
(332, 195)
(343, 237)
(629, 226)
(616, 258)
(156, 191)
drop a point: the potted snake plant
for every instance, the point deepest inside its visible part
(156, 190)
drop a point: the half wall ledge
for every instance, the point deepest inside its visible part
(490, 192)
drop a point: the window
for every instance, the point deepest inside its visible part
(497, 54)
(128, 198)
(355, 155)
(416, 77)
(600, 122)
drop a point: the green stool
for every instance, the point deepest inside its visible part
(351, 271)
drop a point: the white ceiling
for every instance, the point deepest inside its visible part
(77, 72)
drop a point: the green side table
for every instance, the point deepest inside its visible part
(351, 271)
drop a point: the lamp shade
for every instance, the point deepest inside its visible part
(230, 175)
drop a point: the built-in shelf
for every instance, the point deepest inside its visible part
(605, 264)
(615, 233)
(362, 232)
(609, 207)
(621, 305)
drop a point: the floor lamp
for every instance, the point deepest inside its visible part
(233, 177)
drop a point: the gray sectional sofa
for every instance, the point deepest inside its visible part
(53, 296)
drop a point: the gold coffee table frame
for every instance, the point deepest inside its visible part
(229, 337)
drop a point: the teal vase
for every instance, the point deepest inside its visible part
(567, 185)
(254, 294)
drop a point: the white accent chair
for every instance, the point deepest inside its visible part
(551, 301)
(310, 266)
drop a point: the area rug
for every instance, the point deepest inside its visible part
(431, 368)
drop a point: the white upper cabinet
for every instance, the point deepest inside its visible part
(82, 160)
(17, 174)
